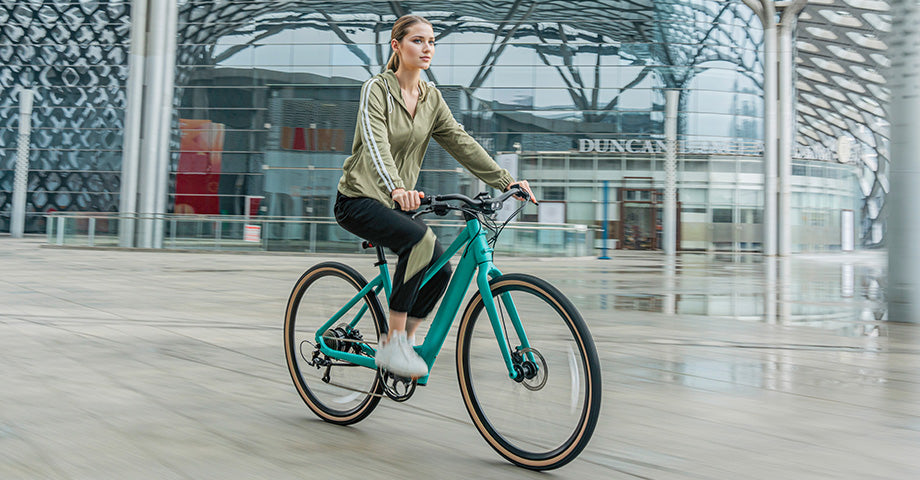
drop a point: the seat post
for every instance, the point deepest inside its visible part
(381, 258)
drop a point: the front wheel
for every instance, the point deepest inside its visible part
(545, 420)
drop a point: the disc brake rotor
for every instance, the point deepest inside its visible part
(539, 379)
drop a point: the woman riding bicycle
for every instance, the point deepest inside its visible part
(397, 116)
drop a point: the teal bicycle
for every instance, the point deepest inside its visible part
(526, 363)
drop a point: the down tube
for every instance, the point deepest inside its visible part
(456, 290)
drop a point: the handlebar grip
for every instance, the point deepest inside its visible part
(523, 193)
(513, 190)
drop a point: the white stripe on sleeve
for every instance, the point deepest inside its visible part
(369, 138)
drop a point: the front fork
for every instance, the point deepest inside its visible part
(486, 271)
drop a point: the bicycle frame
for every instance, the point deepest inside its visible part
(476, 260)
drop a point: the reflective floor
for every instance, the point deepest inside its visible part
(170, 365)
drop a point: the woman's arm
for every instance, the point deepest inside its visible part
(451, 135)
(460, 145)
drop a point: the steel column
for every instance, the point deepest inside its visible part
(787, 100)
(766, 11)
(130, 160)
(669, 229)
(21, 177)
(155, 151)
(604, 255)
(903, 224)
(164, 105)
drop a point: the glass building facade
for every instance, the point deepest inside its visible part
(568, 94)
(75, 57)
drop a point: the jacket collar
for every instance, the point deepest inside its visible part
(392, 83)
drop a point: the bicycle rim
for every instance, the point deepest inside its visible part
(548, 424)
(349, 395)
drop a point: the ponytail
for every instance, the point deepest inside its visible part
(393, 64)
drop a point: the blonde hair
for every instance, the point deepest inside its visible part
(400, 29)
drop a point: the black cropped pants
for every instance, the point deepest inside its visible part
(412, 241)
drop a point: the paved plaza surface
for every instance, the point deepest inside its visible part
(170, 365)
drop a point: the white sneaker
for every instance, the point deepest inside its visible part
(398, 357)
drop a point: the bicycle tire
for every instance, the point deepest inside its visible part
(342, 282)
(541, 307)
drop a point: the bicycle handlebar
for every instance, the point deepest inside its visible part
(481, 202)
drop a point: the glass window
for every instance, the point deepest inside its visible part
(750, 197)
(721, 196)
(581, 163)
(722, 215)
(584, 194)
(750, 167)
(695, 166)
(645, 165)
(750, 215)
(553, 193)
(693, 195)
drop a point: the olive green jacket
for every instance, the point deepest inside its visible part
(389, 145)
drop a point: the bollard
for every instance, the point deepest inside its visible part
(60, 230)
(92, 231)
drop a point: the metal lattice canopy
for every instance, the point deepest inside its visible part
(841, 58)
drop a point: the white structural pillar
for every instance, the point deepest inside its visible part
(160, 65)
(130, 160)
(164, 105)
(21, 177)
(766, 11)
(903, 223)
(789, 15)
(669, 229)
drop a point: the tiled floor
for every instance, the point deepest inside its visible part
(166, 365)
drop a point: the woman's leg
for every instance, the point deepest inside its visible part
(414, 243)
(397, 322)
(428, 294)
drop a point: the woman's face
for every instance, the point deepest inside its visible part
(416, 49)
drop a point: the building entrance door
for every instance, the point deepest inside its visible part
(638, 226)
(641, 218)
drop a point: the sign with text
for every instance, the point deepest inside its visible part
(652, 146)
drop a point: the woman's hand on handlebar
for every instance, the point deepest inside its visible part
(525, 188)
(407, 200)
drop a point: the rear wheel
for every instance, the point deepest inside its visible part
(338, 392)
(546, 419)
